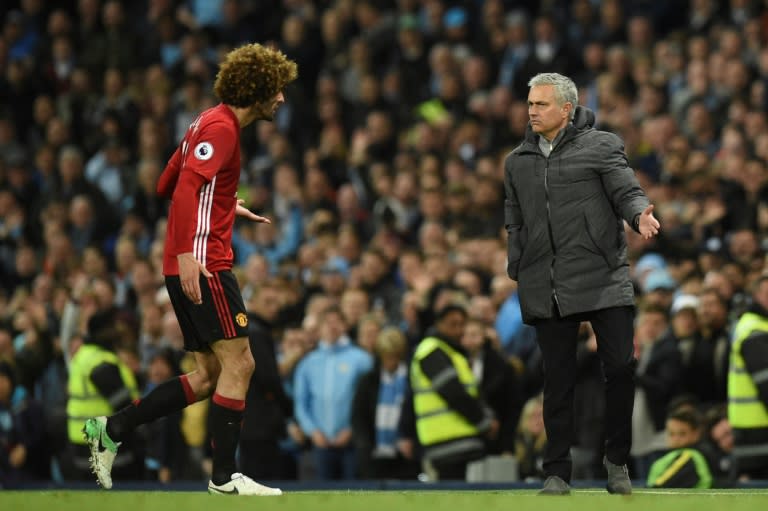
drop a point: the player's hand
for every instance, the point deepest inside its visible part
(647, 224)
(189, 275)
(244, 212)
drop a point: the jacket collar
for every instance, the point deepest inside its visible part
(758, 309)
(583, 119)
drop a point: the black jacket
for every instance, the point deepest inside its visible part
(502, 392)
(267, 407)
(660, 379)
(565, 218)
(364, 419)
(705, 372)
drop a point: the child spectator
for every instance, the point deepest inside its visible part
(531, 440)
(684, 466)
(376, 412)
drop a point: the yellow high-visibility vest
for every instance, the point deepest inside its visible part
(436, 422)
(85, 401)
(745, 409)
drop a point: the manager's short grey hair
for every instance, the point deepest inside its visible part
(565, 89)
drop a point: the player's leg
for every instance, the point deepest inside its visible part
(168, 397)
(228, 404)
(176, 393)
(233, 352)
(104, 434)
(227, 408)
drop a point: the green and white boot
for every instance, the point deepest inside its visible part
(103, 450)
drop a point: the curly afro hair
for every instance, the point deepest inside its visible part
(253, 74)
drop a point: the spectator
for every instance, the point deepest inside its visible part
(443, 381)
(354, 305)
(99, 383)
(530, 440)
(707, 368)
(548, 54)
(294, 344)
(24, 451)
(368, 329)
(719, 445)
(499, 385)
(517, 338)
(276, 242)
(268, 408)
(684, 466)
(747, 393)
(167, 456)
(684, 330)
(376, 412)
(323, 406)
(517, 50)
(333, 282)
(658, 377)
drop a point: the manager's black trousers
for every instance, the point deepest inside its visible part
(557, 338)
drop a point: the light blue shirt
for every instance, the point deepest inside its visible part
(324, 386)
(517, 338)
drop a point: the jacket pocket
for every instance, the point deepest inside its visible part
(603, 238)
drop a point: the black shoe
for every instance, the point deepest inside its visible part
(555, 486)
(618, 478)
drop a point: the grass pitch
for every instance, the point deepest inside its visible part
(434, 500)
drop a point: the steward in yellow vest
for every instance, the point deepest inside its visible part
(451, 418)
(748, 387)
(99, 383)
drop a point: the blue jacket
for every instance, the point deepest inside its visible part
(324, 386)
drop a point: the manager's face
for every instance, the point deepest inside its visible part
(547, 116)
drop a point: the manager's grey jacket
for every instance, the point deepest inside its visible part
(564, 214)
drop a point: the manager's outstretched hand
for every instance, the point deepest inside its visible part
(647, 223)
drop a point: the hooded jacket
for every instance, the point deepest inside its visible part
(565, 218)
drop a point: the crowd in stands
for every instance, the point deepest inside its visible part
(383, 177)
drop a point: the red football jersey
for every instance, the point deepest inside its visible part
(202, 178)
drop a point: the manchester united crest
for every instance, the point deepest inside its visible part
(241, 319)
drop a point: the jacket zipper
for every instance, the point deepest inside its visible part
(551, 234)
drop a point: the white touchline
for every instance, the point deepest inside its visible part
(643, 491)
